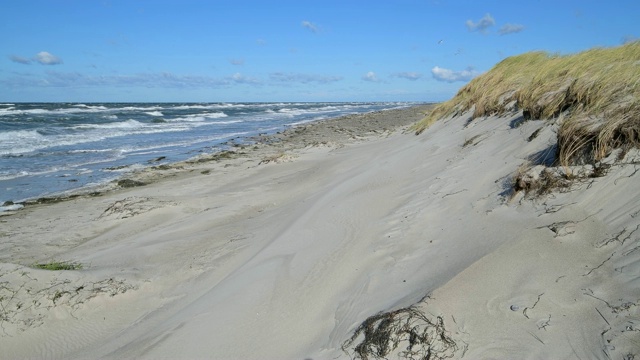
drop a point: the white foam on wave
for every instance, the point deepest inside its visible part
(19, 141)
(25, 141)
(198, 117)
(91, 107)
(214, 115)
(188, 118)
(77, 108)
(19, 174)
(137, 108)
(206, 106)
(296, 112)
(129, 124)
(72, 110)
(13, 207)
(226, 122)
(9, 176)
(154, 113)
(90, 151)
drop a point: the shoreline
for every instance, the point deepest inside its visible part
(294, 137)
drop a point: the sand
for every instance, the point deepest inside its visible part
(282, 249)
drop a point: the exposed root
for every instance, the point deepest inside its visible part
(541, 180)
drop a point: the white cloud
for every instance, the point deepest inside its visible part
(408, 75)
(370, 76)
(149, 80)
(482, 25)
(242, 79)
(236, 61)
(311, 26)
(510, 29)
(19, 59)
(303, 78)
(46, 58)
(442, 74)
(159, 80)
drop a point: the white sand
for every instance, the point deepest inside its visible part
(284, 260)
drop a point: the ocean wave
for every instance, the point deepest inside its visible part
(21, 174)
(198, 117)
(19, 141)
(187, 118)
(90, 151)
(10, 176)
(137, 108)
(14, 111)
(154, 149)
(75, 109)
(91, 107)
(226, 122)
(154, 113)
(205, 107)
(129, 124)
(13, 207)
(214, 115)
(26, 141)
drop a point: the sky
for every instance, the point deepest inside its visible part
(254, 51)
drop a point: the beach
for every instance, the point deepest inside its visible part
(283, 247)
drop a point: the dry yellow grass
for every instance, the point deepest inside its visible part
(599, 89)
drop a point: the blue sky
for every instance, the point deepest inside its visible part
(237, 51)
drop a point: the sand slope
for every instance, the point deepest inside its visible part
(284, 259)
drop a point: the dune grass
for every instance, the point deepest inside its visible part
(598, 90)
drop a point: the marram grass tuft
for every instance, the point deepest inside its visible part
(599, 89)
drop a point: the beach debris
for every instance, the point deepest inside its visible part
(158, 159)
(406, 333)
(563, 228)
(128, 183)
(540, 179)
(131, 206)
(524, 312)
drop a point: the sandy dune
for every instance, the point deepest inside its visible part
(281, 251)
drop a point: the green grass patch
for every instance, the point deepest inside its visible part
(58, 265)
(598, 90)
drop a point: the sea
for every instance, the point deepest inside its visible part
(49, 149)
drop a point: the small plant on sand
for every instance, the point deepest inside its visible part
(58, 265)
